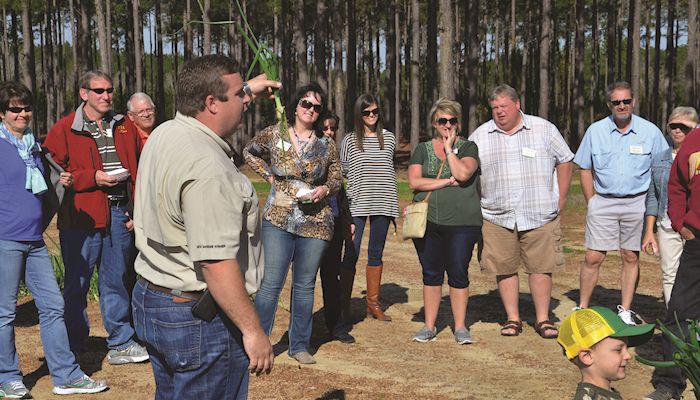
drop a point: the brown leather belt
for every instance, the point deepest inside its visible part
(178, 295)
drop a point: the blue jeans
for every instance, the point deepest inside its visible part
(30, 261)
(446, 248)
(378, 228)
(114, 251)
(191, 358)
(282, 248)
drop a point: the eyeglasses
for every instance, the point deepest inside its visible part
(18, 110)
(305, 104)
(617, 102)
(145, 112)
(684, 128)
(330, 128)
(101, 90)
(367, 113)
(444, 121)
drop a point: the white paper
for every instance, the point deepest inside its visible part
(636, 149)
(529, 153)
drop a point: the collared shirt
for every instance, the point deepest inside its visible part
(519, 187)
(621, 162)
(193, 205)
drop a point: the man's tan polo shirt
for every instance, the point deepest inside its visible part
(192, 205)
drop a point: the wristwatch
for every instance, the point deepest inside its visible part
(247, 90)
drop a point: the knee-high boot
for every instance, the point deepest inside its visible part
(374, 280)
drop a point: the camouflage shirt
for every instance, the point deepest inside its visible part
(589, 391)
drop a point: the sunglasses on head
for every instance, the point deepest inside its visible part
(18, 110)
(303, 103)
(684, 128)
(617, 102)
(101, 90)
(444, 121)
(367, 113)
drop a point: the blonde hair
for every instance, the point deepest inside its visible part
(446, 106)
(687, 113)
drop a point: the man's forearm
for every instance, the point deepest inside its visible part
(587, 183)
(564, 171)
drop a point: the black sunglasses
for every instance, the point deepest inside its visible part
(367, 113)
(684, 128)
(101, 90)
(18, 110)
(330, 128)
(307, 104)
(444, 121)
(617, 102)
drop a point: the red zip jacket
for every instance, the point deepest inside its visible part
(86, 205)
(684, 184)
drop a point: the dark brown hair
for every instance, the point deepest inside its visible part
(14, 90)
(201, 77)
(361, 103)
(301, 92)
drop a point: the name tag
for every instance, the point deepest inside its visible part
(529, 153)
(636, 150)
(108, 132)
(283, 145)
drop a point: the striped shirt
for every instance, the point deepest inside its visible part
(519, 186)
(104, 140)
(371, 175)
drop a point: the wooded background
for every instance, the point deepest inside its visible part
(559, 55)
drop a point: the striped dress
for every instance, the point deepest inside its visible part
(371, 175)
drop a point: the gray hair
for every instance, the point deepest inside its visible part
(620, 85)
(86, 78)
(138, 96)
(503, 90)
(688, 113)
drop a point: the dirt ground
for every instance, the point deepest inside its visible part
(384, 363)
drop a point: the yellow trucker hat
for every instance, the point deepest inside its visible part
(586, 327)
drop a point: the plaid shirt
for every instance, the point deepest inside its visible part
(519, 188)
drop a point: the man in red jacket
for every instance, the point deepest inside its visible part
(684, 304)
(100, 148)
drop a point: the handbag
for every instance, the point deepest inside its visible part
(415, 216)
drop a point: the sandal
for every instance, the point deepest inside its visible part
(542, 327)
(515, 326)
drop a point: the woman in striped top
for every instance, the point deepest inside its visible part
(367, 158)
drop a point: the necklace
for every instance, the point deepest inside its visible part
(302, 142)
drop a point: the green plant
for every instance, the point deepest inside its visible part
(686, 356)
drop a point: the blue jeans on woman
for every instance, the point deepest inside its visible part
(191, 358)
(282, 248)
(114, 251)
(378, 228)
(30, 260)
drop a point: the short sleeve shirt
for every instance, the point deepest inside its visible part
(519, 187)
(621, 162)
(193, 205)
(588, 391)
(452, 205)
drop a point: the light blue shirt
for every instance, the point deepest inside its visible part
(621, 162)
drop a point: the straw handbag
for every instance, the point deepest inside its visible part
(415, 216)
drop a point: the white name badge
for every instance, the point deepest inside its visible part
(529, 153)
(283, 145)
(108, 132)
(636, 150)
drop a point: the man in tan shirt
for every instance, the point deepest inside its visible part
(197, 228)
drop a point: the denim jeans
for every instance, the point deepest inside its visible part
(114, 251)
(30, 261)
(282, 248)
(378, 228)
(191, 358)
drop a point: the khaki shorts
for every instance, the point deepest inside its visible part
(539, 249)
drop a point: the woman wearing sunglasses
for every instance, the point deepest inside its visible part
(670, 243)
(367, 156)
(24, 255)
(446, 167)
(304, 171)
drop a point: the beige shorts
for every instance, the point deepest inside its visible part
(539, 249)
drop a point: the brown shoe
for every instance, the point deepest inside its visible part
(374, 279)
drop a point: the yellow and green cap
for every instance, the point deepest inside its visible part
(586, 327)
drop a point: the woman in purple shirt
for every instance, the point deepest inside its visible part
(24, 255)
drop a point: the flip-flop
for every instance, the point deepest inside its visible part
(542, 327)
(516, 326)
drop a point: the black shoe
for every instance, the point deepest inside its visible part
(344, 337)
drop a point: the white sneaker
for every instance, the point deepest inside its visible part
(576, 308)
(627, 316)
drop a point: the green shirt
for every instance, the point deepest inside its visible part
(452, 205)
(588, 391)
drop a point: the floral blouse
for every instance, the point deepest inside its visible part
(317, 164)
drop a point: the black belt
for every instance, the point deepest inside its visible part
(118, 202)
(627, 196)
(174, 293)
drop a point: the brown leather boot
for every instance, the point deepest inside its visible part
(374, 279)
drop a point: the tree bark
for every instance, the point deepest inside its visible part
(447, 68)
(398, 129)
(577, 126)
(15, 46)
(47, 65)
(138, 46)
(300, 44)
(431, 52)
(206, 28)
(28, 67)
(610, 42)
(320, 44)
(691, 60)
(635, 17)
(351, 66)
(657, 66)
(415, 75)
(186, 17)
(338, 69)
(670, 63)
(647, 58)
(84, 42)
(102, 34)
(160, 79)
(545, 41)
(472, 40)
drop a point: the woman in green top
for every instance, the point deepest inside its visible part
(454, 216)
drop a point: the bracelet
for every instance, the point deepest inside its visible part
(247, 90)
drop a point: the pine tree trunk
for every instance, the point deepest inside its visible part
(102, 34)
(415, 75)
(656, 94)
(431, 52)
(635, 17)
(691, 60)
(351, 60)
(28, 67)
(545, 41)
(300, 43)
(206, 28)
(338, 70)
(447, 68)
(577, 126)
(610, 42)
(15, 43)
(670, 63)
(320, 53)
(398, 128)
(160, 79)
(472, 42)
(186, 16)
(138, 46)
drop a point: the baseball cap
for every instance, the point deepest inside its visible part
(586, 327)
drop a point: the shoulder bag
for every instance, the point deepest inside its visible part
(415, 216)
